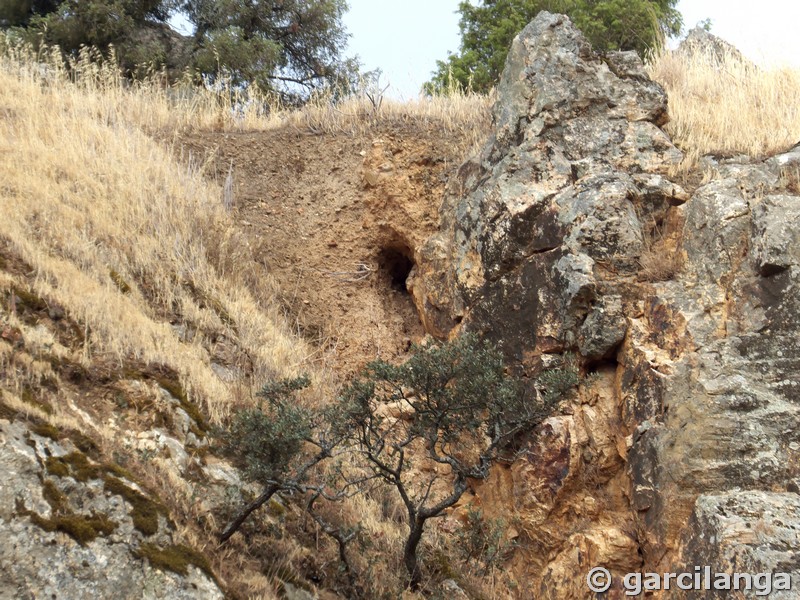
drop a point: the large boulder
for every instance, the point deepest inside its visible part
(560, 200)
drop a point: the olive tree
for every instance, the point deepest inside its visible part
(456, 410)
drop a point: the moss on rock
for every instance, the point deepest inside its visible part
(46, 430)
(144, 510)
(82, 528)
(56, 466)
(175, 558)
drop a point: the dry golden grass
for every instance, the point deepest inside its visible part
(129, 242)
(717, 106)
(728, 105)
(93, 205)
(153, 105)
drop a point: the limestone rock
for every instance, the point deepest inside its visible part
(689, 428)
(724, 414)
(36, 562)
(555, 199)
(776, 234)
(700, 41)
(746, 532)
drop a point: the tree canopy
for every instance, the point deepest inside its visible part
(137, 30)
(294, 45)
(289, 46)
(488, 29)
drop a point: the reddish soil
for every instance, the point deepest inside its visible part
(337, 219)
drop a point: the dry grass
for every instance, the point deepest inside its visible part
(717, 106)
(157, 107)
(100, 220)
(728, 105)
(125, 239)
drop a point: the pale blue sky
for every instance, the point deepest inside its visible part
(405, 38)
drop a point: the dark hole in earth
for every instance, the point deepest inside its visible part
(396, 263)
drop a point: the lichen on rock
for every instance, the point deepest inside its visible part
(63, 535)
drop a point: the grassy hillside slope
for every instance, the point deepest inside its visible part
(125, 293)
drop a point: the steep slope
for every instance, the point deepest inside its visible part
(127, 330)
(337, 220)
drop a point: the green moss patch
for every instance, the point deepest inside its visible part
(53, 496)
(80, 467)
(56, 466)
(175, 558)
(174, 387)
(145, 511)
(275, 508)
(29, 397)
(46, 430)
(169, 380)
(122, 472)
(84, 443)
(82, 528)
(76, 465)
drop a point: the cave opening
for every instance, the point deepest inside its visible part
(396, 262)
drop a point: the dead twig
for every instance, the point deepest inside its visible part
(361, 272)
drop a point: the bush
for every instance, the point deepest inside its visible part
(266, 439)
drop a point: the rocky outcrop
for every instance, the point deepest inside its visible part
(724, 418)
(72, 528)
(753, 533)
(700, 42)
(560, 199)
(566, 235)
